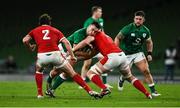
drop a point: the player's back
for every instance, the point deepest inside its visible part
(46, 38)
(105, 44)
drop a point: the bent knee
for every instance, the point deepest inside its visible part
(146, 72)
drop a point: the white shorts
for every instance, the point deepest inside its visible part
(134, 58)
(98, 56)
(54, 58)
(111, 61)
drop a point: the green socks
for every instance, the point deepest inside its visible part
(49, 79)
(152, 88)
(104, 78)
(57, 82)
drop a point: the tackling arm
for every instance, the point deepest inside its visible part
(83, 43)
(81, 55)
(68, 47)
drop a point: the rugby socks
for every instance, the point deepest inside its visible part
(39, 81)
(104, 78)
(59, 80)
(49, 79)
(152, 88)
(137, 84)
(97, 80)
(77, 78)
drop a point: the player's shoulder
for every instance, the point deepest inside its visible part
(146, 28)
(88, 20)
(130, 25)
(101, 19)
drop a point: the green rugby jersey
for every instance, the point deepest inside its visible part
(91, 20)
(76, 37)
(134, 37)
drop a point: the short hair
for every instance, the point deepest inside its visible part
(139, 13)
(95, 8)
(45, 19)
(96, 24)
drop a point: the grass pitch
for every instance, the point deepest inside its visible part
(23, 94)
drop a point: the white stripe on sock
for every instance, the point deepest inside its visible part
(132, 82)
(150, 85)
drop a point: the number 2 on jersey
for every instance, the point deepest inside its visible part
(46, 33)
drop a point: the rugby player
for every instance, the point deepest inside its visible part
(131, 39)
(47, 39)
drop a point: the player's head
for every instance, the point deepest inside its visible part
(93, 28)
(139, 18)
(96, 11)
(45, 19)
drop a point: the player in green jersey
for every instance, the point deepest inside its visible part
(131, 39)
(96, 16)
(74, 39)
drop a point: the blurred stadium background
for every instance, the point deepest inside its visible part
(18, 17)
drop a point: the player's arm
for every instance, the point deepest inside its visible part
(84, 43)
(149, 46)
(84, 55)
(81, 55)
(69, 48)
(26, 41)
(118, 38)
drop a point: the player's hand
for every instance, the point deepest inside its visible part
(33, 47)
(91, 46)
(73, 58)
(149, 58)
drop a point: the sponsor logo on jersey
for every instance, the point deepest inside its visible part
(133, 34)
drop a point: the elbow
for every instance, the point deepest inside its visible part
(24, 40)
(116, 39)
(66, 43)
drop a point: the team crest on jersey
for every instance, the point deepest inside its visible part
(101, 23)
(133, 34)
(144, 35)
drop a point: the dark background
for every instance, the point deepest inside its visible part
(19, 17)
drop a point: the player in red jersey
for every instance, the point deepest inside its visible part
(113, 57)
(47, 39)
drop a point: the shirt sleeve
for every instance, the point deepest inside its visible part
(60, 35)
(86, 23)
(124, 31)
(77, 38)
(31, 34)
(148, 34)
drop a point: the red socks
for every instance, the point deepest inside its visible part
(39, 81)
(97, 80)
(77, 78)
(140, 87)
